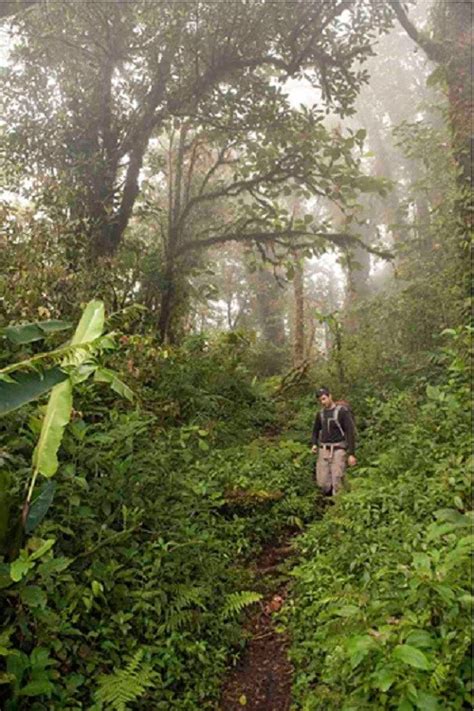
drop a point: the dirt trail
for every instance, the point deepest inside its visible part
(262, 679)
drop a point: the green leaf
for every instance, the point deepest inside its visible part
(405, 705)
(235, 602)
(384, 679)
(346, 611)
(104, 375)
(30, 332)
(453, 516)
(26, 387)
(91, 324)
(421, 561)
(58, 412)
(40, 659)
(427, 702)
(26, 333)
(97, 588)
(40, 506)
(359, 647)
(44, 548)
(53, 326)
(6, 678)
(420, 639)
(433, 393)
(82, 372)
(33, 596)
(37, 688)
(54, 565)
(17, 664)
(411, 656)
(20, 567)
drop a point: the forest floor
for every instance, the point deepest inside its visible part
(262, 679)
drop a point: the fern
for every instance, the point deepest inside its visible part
(177, 620)
(126, 685)
(235, 602)
(187, 596)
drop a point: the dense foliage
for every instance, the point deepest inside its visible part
(381, 615)
(223, 248)
(142, 554)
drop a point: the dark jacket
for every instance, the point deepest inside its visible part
(326, 431)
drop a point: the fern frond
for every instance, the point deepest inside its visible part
(176, 620)
(235, 602)
(126, 685)
(187, 596)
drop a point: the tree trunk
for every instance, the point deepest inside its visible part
(358, 274)
(173, 238)
(298, 318)
(269, 308)
(454, 22)
(166, 308)
(451, 48)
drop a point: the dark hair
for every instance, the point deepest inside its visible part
(322, 391)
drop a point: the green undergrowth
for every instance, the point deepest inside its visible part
(381, 609)
(129, 594)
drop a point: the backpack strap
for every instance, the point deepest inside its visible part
(337, 410)
(336, 419)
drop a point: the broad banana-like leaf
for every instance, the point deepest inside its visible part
(40, 506)
(58, 410)
(29, 332)
(25, 333)
(91, 324)
(53, 326)
(26, 387)
(103, 375)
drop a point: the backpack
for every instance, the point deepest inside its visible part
(340, 405)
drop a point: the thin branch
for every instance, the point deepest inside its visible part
(219, 162)
(274, 176)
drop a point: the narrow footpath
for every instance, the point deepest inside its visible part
(262, 679)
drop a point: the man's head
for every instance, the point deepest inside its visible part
(324, 396)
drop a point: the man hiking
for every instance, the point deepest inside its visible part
(333, 440)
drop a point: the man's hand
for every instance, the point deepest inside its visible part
(314, 449)
(351, 460)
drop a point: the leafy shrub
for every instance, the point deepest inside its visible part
(382, 595)
(144, 553)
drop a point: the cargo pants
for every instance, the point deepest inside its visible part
(331, 468)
